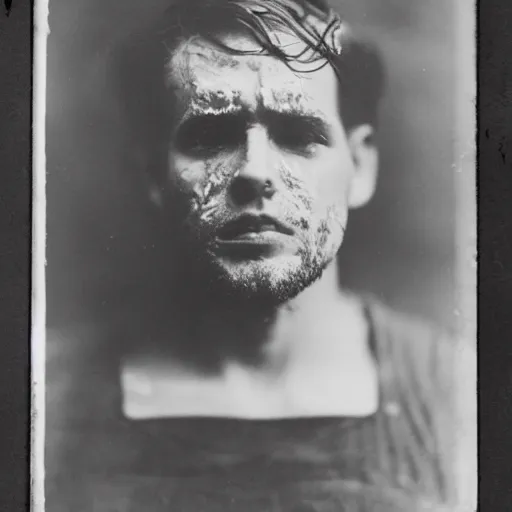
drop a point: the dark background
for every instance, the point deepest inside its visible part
(401, 247)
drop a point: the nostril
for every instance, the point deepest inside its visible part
(245, 190)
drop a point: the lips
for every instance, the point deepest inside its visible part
(246, 226)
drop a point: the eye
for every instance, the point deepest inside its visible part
(207, 135)
(298, 135)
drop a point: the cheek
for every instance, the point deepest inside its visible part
(317, 191)
(331, 209)
(187, 179)
(317, 188)
(333, 182)
(203, 182)
(298, 192)
(330, 231)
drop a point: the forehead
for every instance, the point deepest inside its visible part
(202, 73)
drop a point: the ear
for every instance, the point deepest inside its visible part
(366, 161)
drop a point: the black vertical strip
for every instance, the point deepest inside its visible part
(15, 251)
(495, 254)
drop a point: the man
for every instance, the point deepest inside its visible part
(255, 383)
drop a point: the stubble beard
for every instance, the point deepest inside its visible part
(270, 282)
(266, 283)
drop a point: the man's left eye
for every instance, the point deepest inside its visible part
(298, 138)
(297, 142)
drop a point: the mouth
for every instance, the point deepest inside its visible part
(256, 228)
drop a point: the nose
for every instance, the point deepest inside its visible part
(255, 180)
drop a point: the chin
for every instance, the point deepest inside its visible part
(271, 281)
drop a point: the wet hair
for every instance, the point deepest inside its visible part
(138, 64)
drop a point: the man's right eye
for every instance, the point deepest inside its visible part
(208, 135)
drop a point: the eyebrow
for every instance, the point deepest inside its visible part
(197, 121)
(267, 116)
(212, 102)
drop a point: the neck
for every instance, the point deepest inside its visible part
(308, 357)
(264, 338)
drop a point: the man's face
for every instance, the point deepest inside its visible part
(261, 160)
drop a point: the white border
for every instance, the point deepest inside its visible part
(465, 168)
(38, 306)
(466, 236)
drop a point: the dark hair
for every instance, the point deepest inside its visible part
(138, 64)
